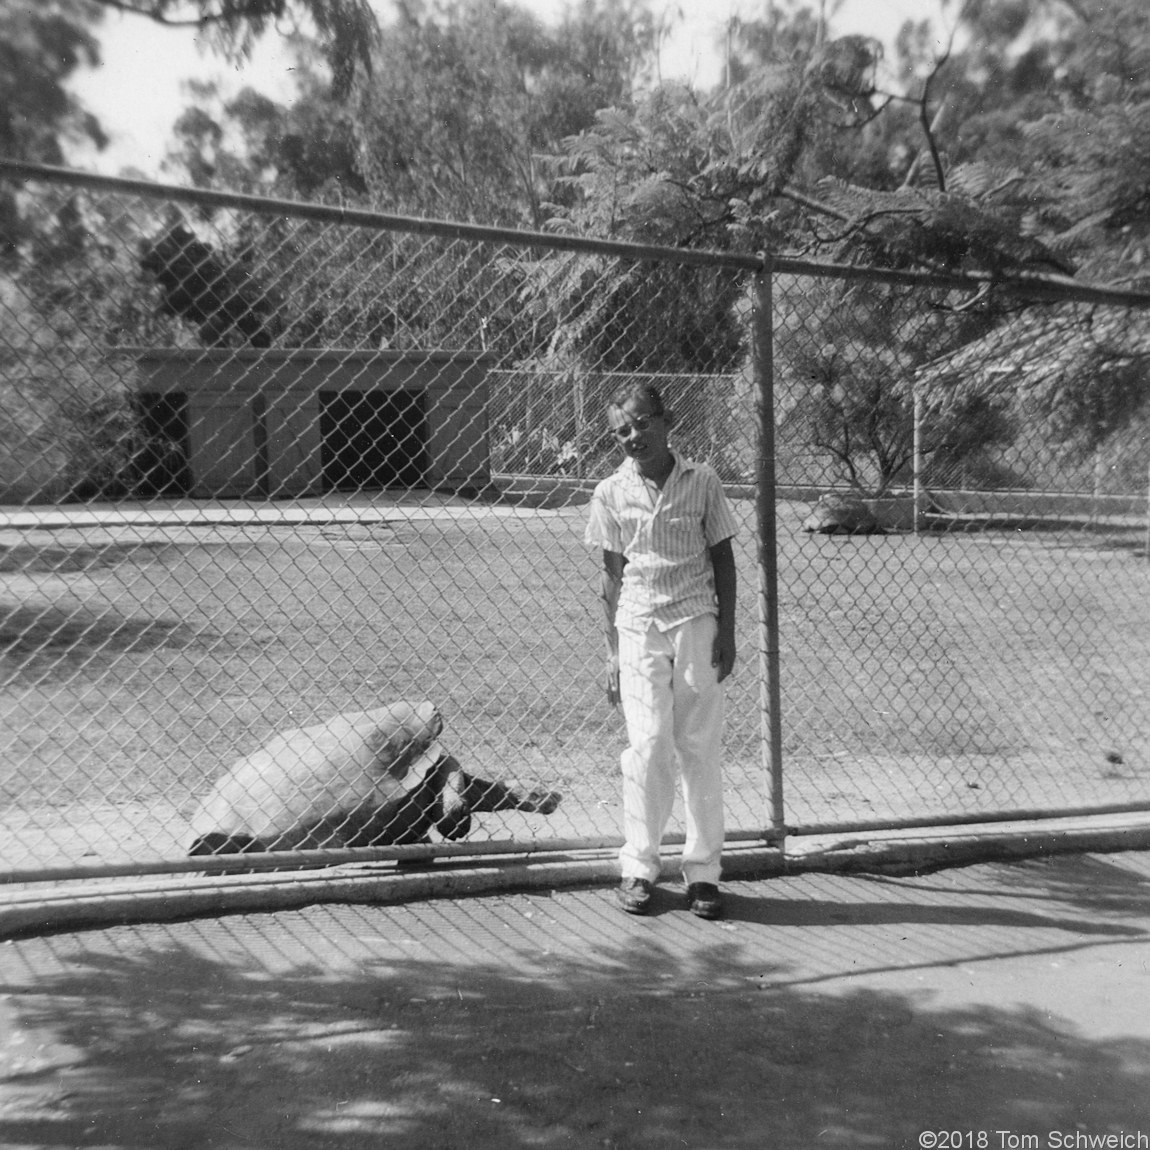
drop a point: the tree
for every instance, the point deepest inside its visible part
(347, 30)
(849, 357)
(642, 175)
(967, 168)
(69, 426)
(1019, 146)
(251, 143)
(465, 101)
(66, 421)
(41, 46)
(683, 168)
(1091, 150)
(867, 171)
(468, 96)
(1049, 105)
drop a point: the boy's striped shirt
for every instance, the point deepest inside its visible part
(664, 536)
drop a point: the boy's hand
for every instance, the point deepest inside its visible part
(723, 655)
(613, 680)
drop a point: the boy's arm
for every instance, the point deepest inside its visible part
(726, 590)
(611, 583)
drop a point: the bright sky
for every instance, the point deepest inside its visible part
(137, 92)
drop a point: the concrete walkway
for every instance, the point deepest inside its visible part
(997, 1004)
(338, 507)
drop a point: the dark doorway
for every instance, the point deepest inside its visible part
(373, 439)
(160, 462)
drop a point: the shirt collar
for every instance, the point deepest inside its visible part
(682, 465)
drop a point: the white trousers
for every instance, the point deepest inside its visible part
(673, 706)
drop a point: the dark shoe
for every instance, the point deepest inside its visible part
(704, 900)
(634, 895)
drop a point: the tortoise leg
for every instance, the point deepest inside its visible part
(453, 804)
(462, 794)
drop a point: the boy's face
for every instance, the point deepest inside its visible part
(640, 430)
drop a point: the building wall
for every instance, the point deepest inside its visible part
(253, 415)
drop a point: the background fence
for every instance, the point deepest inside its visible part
(263, 464)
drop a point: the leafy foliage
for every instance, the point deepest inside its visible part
(644, 176)
(1020, 146)
(468, 96)
(346, 30)
(852, 354)
(1075, 372)
(199, 287)
(66, 419)
(463, 103)
(979, 224)
(41, 46)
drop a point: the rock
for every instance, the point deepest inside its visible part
(836, 514)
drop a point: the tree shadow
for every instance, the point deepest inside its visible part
(33, 558)
(499, 1023)
(1115, 886)
(31, 636)
(1051, 524)
(1059, 532)
(884, 914)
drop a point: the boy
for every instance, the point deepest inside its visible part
(668, 589)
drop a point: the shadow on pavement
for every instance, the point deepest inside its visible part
(555, 1021)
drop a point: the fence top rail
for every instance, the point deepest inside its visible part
(1038, 288)
(302, 354)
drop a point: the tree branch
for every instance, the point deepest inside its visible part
(347, 29)
(931, 126)
(154, 12)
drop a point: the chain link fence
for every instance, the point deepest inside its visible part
(267, 466)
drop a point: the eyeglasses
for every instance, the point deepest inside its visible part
(639, 423)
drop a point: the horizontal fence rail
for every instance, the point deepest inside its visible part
(290, 490)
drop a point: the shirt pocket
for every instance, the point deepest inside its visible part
(684, 535)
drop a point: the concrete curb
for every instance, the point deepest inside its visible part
(925, 853)
(83, 906)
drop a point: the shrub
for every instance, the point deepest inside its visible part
(67, 426)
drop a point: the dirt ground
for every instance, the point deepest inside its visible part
(145, 659)
(995, 1005)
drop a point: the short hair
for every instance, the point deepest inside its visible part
(636, 389)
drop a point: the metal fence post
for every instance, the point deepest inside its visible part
(1148, 514)
(918, 458)
(770, 693)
